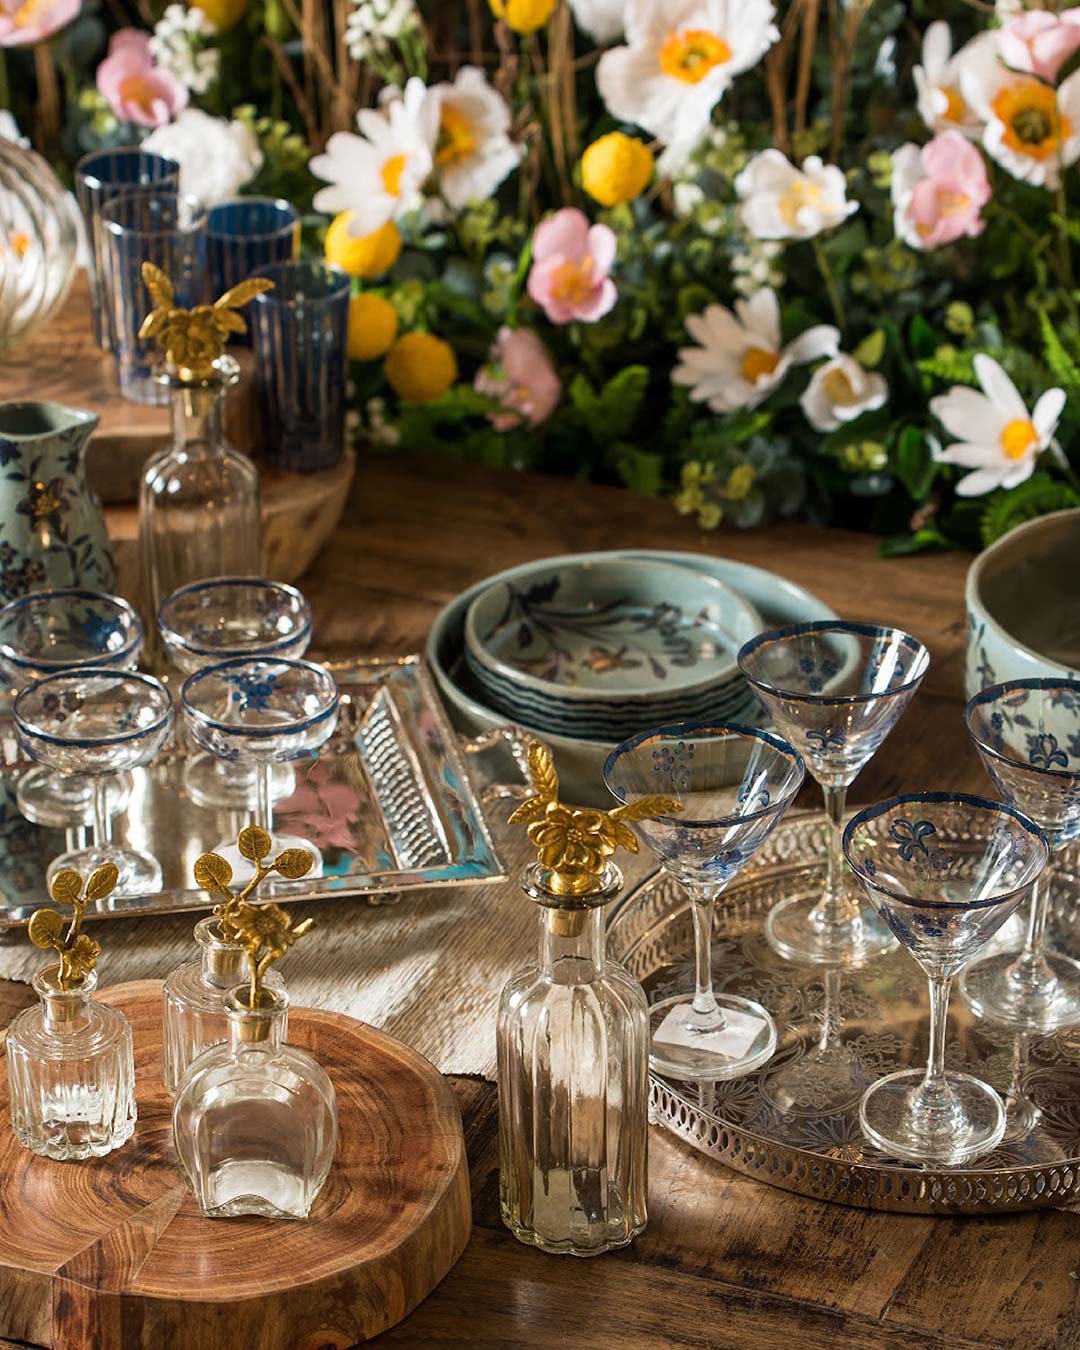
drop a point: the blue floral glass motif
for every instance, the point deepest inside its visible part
(1044, 753)
(99, 630)
(252, 694)
(829, 738)
(909, 836)
(746, 792)
(676, 763)
(818, 672)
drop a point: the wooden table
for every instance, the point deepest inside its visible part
(725, 1261)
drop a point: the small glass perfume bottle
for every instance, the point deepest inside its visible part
(573, 1041)
(71, 1070)
(255, 1120)
(193, 1001)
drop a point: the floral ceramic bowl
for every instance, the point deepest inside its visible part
(1023, 604)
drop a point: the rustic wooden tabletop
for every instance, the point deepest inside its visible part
(726, 1261)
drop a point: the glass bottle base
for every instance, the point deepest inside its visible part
(256, 1187)
(72, 1140)
(989, 992)
(531, 1238)
(974, 1123)
(795, 933)
(140, 873)
(680, 1049)
(61, 800)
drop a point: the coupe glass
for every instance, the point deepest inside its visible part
(97, 723)
(944, 870)
(263, 711)
(1028, 735)
(66, 630)
(835, 690)
(735, 783)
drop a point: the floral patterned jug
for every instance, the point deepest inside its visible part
(51, 528)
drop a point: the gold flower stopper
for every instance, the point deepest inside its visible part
(78, 953)
(192, 340)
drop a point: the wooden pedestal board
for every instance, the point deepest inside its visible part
(113, 1254)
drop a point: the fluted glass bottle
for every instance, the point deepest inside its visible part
(573, 1048)
(71, 1072)
(255, 1120)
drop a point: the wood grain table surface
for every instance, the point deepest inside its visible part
(726, 1261)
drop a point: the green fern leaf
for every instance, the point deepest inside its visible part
(1037, 497)
(956, 368)
(1063, 368)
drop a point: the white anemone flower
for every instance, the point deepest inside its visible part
(998, 438)
(939, 82)
(841, 390)
(740, 360)
(780, 201)
(216, 157)
(380, 174)
(602, 20)
(679, 57)
(474, 152)
(1031, 129)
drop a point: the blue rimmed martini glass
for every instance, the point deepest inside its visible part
(67, 629)
(944, 871)
(835, 690)
(1027, 733)
(98, 723)
(734, 783)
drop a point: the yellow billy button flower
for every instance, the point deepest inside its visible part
(373, 327)
(224, 14)
(616, 168)
(368, 256)
(420, 367)
(523, 16)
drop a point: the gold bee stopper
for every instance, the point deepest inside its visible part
(192, 341)
(573, 846)
(78, 953)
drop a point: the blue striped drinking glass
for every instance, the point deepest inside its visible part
(244, 235)
(99, 177)
(301, 337)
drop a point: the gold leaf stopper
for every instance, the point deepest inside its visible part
(193, 340)
(78, 953)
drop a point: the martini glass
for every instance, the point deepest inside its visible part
(98, 723)
(835, 690)
(944, 871)
(52, 631)
(735, 783)
(1027, 733)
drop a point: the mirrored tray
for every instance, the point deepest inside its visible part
(387, 801)
(838, 1032)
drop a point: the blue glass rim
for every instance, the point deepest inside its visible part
(249, 732)
(296, 267)
(196, 222)
(883, 807)
(684, 730)
(89, 742)
(842, 627)
(994, 692)
(84, 169)
(290, 218)
(8, 654)
(170, 635)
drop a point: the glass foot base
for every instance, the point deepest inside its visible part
(1021, 1117)
(219, 784)
(989, 992)
(681, 1050)
(62, 801)
(619, 1235)
(140, 873)
(794, 932)
(243, 871)
(974, 1125)
(823, 1082)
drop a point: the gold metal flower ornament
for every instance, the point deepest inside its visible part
(192, 340)
(78, 953)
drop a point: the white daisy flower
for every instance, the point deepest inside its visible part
(474, 152)
(602, 20)
(1032, 130)
(780, 201)
(998, 438)
(679, 57)
(941, 99)
(740, 360)
(379, 175)
(841, 390)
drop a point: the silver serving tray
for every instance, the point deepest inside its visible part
(878, 1014)
(388, 802)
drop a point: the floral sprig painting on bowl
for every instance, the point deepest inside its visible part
(763, 259)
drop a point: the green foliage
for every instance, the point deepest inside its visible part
(1036, 497)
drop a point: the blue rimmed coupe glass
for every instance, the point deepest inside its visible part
(734, 783)
(944, 870)
(1027, 733)
(244, 235)
(835, 690)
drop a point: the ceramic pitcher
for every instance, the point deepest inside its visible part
(52, 532)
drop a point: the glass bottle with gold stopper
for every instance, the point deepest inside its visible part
(193, 1000)
(199, 498)
(573, 1040)
(71, 1070)
(255, 1120)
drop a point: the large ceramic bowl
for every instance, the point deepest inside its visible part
(1023, 604)
(580, 761)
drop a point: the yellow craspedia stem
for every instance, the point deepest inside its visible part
(372, 327)
(370, 255)
(523, 16)
(616, 168)
(420, 367)
(224, 14)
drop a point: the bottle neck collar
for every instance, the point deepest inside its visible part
(64, 1010)
(223, 964)
(262, 1028)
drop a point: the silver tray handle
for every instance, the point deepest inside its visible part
(515, 740)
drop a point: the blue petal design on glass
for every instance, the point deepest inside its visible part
(828, 738)
(909, 836)
(1044, 752)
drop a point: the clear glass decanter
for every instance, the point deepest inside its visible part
(573, 1045)
(71, 1069)
(255, 1119)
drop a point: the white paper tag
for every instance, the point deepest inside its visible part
(733, 1040)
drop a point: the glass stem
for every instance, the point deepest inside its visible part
(707, 1013)
(1030, 970)
(932, 1102)
(836, 905)
(264, 811)
(102, 819)
(828, 1011)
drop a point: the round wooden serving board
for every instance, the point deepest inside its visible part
(114, 1254)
